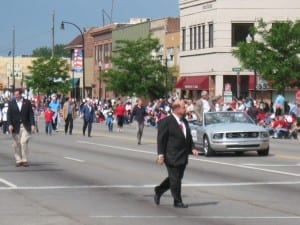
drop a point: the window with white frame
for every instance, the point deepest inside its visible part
(239, 32)
(183, 38)
(210, 35)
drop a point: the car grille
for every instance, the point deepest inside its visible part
(242, 135)
(241, 146)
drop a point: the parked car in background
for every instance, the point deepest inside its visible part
(229, 131)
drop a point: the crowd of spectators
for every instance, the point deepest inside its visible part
(281, 118)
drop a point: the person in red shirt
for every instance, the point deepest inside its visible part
(281, 127)
(120, 112)
(260, 116)
(48, 120)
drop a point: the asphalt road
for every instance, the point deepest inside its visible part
(109, 179)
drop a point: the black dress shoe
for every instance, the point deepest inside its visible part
(18, 164)
(157, 199)
(180, 205)
(25, 164)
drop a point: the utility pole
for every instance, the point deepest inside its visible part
(13, 60)
(110, 17)
(52, 29)
(111, 11)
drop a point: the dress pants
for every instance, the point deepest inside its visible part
(69, 124)
(140, 129)
(172, 182)
(87, 124)
(20, 145)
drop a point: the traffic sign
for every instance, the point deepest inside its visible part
(227, 96)
(236, 69)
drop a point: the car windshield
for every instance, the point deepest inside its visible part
(226, 117)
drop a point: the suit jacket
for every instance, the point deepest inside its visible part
(15, 117)
(172, 143)
(87, 114)
(65, 110)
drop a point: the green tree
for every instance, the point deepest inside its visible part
(135, 70)
(49, 75)
(273, 53)
(60, 50)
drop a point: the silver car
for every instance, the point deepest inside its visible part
(229, 132)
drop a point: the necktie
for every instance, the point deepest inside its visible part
(180, 124)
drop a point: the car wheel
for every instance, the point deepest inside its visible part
(206, 147)
(263, 152)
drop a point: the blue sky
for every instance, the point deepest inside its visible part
(32, 19)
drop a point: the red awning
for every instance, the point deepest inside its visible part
(251, 82)
(180, 82)
(193, 83)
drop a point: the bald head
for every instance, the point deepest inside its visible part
(178, 108)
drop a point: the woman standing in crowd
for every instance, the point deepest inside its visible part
(120, 112)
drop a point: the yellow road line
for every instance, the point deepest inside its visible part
(288, 157)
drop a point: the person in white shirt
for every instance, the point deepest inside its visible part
(203, 105)
(3, 116)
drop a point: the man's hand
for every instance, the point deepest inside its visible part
(10, 128)
(195, 152)
(33, 129)
(160, 160)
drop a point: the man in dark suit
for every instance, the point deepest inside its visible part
(88, 113)
(174, 144)
(20, 119)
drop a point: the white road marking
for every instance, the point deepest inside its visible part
(148, 186)
(73, 159)
(272, 165)
(198, 217)
(9, 184)
(117, 147)
(249, 167)
(197, 159)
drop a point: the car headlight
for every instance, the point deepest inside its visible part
(217, 136)
(264, 134)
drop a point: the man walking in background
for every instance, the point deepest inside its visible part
(20, 120)
(138, 114)
(69, 114)
(174, 144)
(88, 112)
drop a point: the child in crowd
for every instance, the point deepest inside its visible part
(48, 120)
(36, 116)
(4, 118)
(110, 120)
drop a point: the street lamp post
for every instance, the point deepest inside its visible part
(255, 78)
(100, 79)
(13, 61)
(249, 40)
(73, 89)
(62, 26)
(164, 61)
(166, 77)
